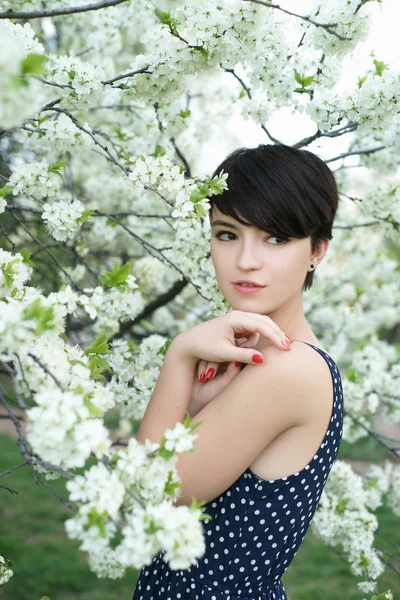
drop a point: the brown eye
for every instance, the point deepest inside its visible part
(282, 240)
(220, 233)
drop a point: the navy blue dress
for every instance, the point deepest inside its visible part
(256, 529)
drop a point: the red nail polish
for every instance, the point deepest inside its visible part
(289, 338)
(210, 373)
(237, 364)
(258, 358)
(202, 378)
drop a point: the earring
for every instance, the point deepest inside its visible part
(312, 266)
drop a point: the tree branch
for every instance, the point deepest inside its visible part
(326, 26)
(37, 14)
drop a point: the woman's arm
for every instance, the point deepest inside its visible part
(170, 399)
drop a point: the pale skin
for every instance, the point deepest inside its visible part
(269, 416)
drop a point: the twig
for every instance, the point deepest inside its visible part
(326, 26)
(15, 467)
(37, 14)
(129, 74)
(372, 434)
(354, 152)
(8, 489)
(39, 362)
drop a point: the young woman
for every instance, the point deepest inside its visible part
(271, 411)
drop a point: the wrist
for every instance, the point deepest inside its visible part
(179, 349)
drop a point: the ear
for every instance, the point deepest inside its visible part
(320, 252)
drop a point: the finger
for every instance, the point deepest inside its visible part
(247, 323)
(201, 370)
(211, 370)
(251, 341)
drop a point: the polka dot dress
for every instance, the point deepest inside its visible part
(256, 529)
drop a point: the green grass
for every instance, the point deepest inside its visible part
(32, 536)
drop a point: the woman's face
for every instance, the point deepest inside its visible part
(241, 252)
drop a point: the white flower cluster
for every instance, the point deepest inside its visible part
(61, 219)
(373, 106)
(111, 306)
(151, 275)
(371, 378)
(20, 97)
(99, 489)
(342, 519)
(71, 433)
(14, 272)
(5, 571)
(351, 23)
(149, 477)
(375, 103)
(84, 79)
(393, 494)
(377, 483)
(383, 200)
(38, 179)
(178, 533)
(140, 369)
(136, 474)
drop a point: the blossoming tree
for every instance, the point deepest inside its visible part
(104, 109)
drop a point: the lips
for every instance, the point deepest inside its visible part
(248, 283)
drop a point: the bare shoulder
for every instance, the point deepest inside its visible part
(309, 372)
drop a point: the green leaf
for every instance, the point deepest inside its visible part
(96, 519)
(308, 81)
(341, 505)
(85, 215)
(380, 66)
(204, 52)
(26, 255)
(43, 315)
(185, 113)
(351, 374)
(75, 361)
(71, 74)
(199, 209)
(163, 350)
(163, 16)
(298, 77)
(33, 64)
(361, 81)
(97, 365)
(99, 346)
(116, 277)
(57, 166)
(159, 151)
(6, 190)
(93, 410)
(171, 486)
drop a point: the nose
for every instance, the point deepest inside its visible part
(249, 257)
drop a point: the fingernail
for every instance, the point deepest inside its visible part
(289, 338)
(258, 358)
(237, 364)
(286, 344)
(202, 378)
(210, 373)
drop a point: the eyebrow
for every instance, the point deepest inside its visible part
(225, 224)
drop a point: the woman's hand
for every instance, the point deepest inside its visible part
(215, 341)
(211, 378)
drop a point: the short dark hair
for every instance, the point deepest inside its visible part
(286, 191)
